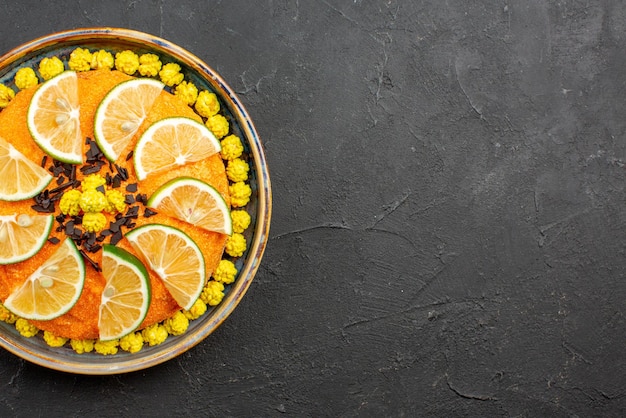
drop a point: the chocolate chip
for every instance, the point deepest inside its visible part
(69, 228)
(95, 248)
(115, 227)
(123, 173)
(142, 198)
(90, 169)
(60, 188)
(116, 237)
(132, 212)
(149, 212)
(42, 209)
(77, 234)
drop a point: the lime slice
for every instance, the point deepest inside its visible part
(53, 289)
(22, 236)
(53, 118)
(126, 296)
(195, 202)
(174, 257)
(21, 178)
(121, 113)
(173, 142)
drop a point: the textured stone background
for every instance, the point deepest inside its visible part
(449, 214)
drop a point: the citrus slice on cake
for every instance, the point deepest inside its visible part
(126, 296)
(53, 289)
(21, 178)
(195, 202)
(121, 113)
(22, 236)
(174, 257)
(173, 142)
(53, 118)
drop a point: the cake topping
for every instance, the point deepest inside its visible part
(53, 289)
(22, 236)
(121, 112)
(194, 202)
(174, 257)
(173, 142)
(53, 118)
(126, 296)
(21, 178)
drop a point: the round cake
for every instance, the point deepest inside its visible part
(81, 322)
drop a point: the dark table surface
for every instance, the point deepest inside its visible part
(449, 211)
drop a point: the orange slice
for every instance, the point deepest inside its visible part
(126, 296)
(121, 113)
(21, 178)
(174, 257)
(22, 236)
(195, 202)
(53, 289)
(173, 142)
(53, 118)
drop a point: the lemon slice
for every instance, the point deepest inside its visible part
(21, 178)
(121, 113)
(22, 236)
(173, 142)
(53, 118)
(195, 202)
(126, 295)
(174, 257)
(53, 289)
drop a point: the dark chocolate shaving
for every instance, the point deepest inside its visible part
(90, 261)
(42, 209)
(149, 212)
(142, 198)
(95, 248)
(69, 228)
(116, 237)
(132, 212)
(60, 188)
(123, 173)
